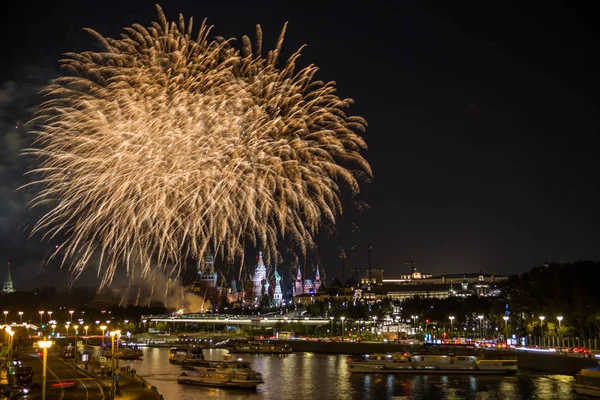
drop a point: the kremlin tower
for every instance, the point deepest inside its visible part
(260, 275)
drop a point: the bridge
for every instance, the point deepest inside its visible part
(238, 320)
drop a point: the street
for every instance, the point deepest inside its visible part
(60, 370)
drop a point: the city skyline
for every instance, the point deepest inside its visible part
(482, 125)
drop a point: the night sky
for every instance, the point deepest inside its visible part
(483, 124)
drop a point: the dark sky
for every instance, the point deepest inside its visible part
(483, 124)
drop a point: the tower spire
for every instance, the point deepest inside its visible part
(8, 284)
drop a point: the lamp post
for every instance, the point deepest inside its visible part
(10, 334)
(75, 342)
(542, 318)
(102, 328)
(112, 364)
(5, 316)
(44, 345)
(117, 351)
(451, 325)
(374, 324)
(21, 317)
(71, 315)
(560, 318)
(49, 316)
(342, 318)
(53, 328)
(480, 326)
(41, 318)
(505, 318)
(331, 319)
(86, 334)
(67, 333)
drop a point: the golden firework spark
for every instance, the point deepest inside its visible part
(163, 145)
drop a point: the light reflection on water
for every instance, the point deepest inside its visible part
(318, 376)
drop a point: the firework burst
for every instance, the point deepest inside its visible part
(164, 145)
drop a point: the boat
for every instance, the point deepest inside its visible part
(587, 382)
(260, 347)
(186, 355)
(403, 363)
(124, 353)
(130, 353)
(225, 374)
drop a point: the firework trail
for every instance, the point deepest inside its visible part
(163, 146)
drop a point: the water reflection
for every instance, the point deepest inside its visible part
(317, 376)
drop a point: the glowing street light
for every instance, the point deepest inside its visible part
(559, 318)
(41, 317)
(118, 332)
(10, 333)
(67, 332)
(75, 342)
(451, 324)
(112, 364)
(542, 318)
(71, 317)
(53, 328)
(480, 326)
(50, 315)
(86, 333)
(103, 328)
(343, 318)
(331, 318)
(44, 345)
(21, 317)
(5, 316)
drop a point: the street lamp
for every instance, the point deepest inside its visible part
(75, 341)
(86, 333)
(10, 333)
(44, 345)
(5, 316)
(71, 312)
(331, 318)
(374, 324)
(560, 318)
(342, 318)
(53, 328)
(451, 325)
(21, 317)
(67, 333)
(112, 364)
(41, 318)
(505, 318)
(50, 316)
(542, 318)
(102, 328)
(117, 350)
(480, 326)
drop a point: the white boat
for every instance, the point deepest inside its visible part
(430, 364)
(227, 374)
(587, 382)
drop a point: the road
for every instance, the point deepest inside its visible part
(60, 370)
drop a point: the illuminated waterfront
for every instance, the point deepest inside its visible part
(306, 375)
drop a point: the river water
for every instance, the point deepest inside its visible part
(308, 376)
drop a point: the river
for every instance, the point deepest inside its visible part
(307, 376)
